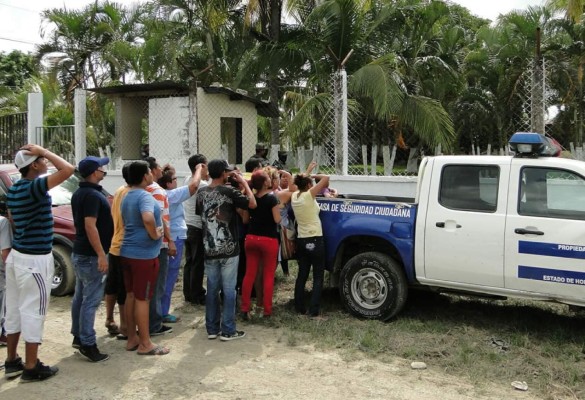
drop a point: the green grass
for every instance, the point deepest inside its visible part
(543, 343)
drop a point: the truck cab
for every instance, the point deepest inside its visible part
(511, 226)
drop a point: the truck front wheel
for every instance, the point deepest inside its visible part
(64, 278)
(373, 286)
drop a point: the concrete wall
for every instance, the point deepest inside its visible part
(129, 114)
(172, 129)
(211, 108)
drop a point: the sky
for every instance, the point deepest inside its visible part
(20, 21)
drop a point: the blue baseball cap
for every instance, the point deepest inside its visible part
(90, 164)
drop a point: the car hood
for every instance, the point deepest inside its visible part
(63, 212)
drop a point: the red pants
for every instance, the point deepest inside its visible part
(260, 249)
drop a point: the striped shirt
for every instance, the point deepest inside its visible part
(160, 195)
(30, 206)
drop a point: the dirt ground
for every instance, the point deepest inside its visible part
(260, 366)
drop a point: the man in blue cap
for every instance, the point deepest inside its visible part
(94, 229)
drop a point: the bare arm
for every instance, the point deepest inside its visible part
(64, 169)
(196, 178)
(323, 183)
(94, 239)
(245, 215)
(251, 199)
(284, 196)
(276, 214)
(311, 167)
(5, 253)
(150, 225)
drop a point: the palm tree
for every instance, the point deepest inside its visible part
(379, 82)
(573, 8)
(89, 47)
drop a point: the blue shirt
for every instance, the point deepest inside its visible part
(176, 198)
(30, 206)
(137, 244)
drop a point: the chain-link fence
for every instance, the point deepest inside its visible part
(347, 143)
(534, 98)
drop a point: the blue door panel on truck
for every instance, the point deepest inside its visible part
(393, 222)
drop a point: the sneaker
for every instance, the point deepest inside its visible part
(171, 319)
(212, 336)
(76, 342)
(164, 329)
(38, 373)
(93, 354)
(236, 335)
(13, 368)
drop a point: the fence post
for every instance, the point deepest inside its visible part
(35, 118)
(341, 133)
(80, 125)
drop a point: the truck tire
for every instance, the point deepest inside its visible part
(64, 278)
(373, 286)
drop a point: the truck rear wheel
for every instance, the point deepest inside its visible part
(373, 286)
(64, 278)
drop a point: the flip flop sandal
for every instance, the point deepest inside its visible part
(156, 351)
(133, 348)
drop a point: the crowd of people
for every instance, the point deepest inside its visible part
(229, 224)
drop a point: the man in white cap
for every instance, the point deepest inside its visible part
(94, 228)
(29, 266)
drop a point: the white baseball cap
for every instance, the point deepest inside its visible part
(24, 158)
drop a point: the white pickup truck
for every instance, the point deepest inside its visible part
(490, 225)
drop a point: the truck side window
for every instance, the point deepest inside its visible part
(553, 193)
(470, 187)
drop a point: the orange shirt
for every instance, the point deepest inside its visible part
(118, 221)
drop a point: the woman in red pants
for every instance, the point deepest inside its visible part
(261, 243)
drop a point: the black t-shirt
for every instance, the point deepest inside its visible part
(217, 207)
(261, 219)
(89, 201)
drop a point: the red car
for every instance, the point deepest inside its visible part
(64, 230)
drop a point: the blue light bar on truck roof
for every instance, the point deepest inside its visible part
(531, 144)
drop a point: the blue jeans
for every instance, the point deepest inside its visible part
(221, 274)
(173, 273)
(155, 315)
(89, 291)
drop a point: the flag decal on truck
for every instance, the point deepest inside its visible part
(551, 275)
(552, 249)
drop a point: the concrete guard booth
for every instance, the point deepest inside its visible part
(216, 121)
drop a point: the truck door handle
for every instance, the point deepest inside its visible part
(522, 231)
(442, 225)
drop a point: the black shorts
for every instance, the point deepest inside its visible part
(115, 279)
